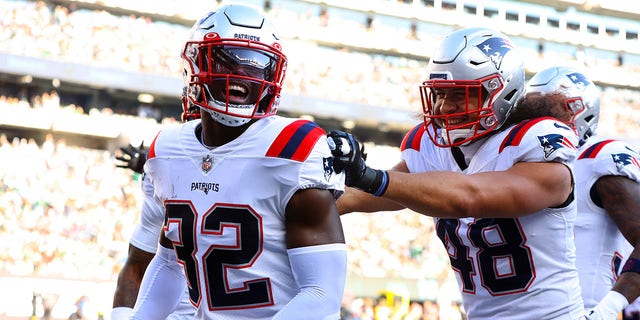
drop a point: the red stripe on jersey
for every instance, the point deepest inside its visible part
(593, 150)
(517, 133)
(152, 148)
(413, 138)
(296, 141)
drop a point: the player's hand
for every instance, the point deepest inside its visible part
(349, 156)
(609, 307)
(347, 153)
(132, 158)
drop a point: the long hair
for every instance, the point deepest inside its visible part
(535, 105)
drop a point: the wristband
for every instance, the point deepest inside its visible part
(121, 313)
(373, 181)
(632, 265)
(383, 185)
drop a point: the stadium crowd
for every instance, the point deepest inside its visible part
(140, 44)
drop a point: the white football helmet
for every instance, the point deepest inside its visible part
(582, 96)
(233, 66)
(472, 59)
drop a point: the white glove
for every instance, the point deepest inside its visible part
(609, 307)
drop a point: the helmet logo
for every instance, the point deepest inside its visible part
(579, 80)
(495, 48)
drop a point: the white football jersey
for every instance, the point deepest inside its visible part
(225, 210)
(601, 248)
(515, 268)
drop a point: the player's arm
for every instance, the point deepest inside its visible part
(354, 200)
(128, 283)
(621, 199)
(523, 189)
(162, 285)
(317, 254)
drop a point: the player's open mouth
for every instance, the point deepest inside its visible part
(238, 93)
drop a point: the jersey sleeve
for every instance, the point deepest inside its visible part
(541, 140)
(147, 230)
(418, 152)
(317, 170)
(613, 157)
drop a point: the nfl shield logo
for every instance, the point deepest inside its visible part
(207, 163)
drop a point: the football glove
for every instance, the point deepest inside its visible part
(132, 158)
(349, 156)
(609, 307)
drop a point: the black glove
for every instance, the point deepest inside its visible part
(133, 158)
(349, 157)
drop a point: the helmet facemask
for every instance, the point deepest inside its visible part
(473, 119)
(234, 80)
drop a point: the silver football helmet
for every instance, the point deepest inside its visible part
(487, 67)
(582, 96)
(233, 66)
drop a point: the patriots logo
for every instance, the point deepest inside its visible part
(552, 142)
(327, 163)
(495, 48)
(623, 159)
(579, 80)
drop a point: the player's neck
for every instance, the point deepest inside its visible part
(213, 134)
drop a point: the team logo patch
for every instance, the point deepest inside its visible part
(207, 163)
(327, 163)
(623, 159)
(552, 142)
(495, 48)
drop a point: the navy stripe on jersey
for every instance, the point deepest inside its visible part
(296, 140)
(413, 138)
(593, 150)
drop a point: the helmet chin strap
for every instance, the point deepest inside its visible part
(226, 120)
(451, 136)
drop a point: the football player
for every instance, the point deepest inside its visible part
(251, 228)
(502, 193)
(608, 191)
